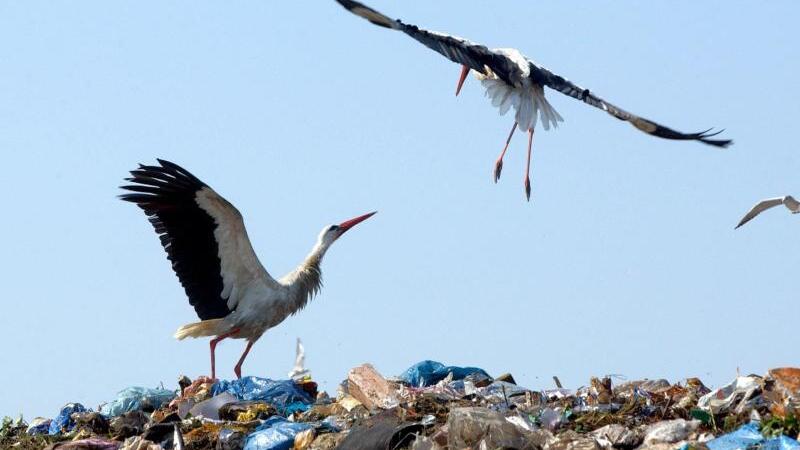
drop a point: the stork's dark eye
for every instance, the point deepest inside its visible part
(333, 228)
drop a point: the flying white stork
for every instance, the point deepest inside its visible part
(206, 241)
(512, 80)
(788, 201)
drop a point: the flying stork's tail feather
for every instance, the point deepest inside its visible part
(370, 14)
(213, 327)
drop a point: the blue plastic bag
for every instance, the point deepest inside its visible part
(747, 436)
(63, 422)
(780, 443)
(428, 373)
(276, 433)
(135, 398)
(284, 395)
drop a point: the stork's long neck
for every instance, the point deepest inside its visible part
(306, 280)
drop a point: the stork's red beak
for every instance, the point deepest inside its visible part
(347, 224)
(462, 78)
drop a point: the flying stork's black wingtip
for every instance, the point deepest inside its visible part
(704, 136)
(368, 13)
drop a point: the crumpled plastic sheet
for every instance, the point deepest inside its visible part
(427, 373)
(748, 436)
(500, 391)
(135, 398)
(469, 427)
(385, 431)
(286, 396)
(276, 433)
(39, 425)
(63, 421)
(735, 396)
(210, 408)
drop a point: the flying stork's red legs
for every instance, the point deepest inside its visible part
(498, 165)
(238, 369)
(462, 78)
(528, 166)
(213, 345)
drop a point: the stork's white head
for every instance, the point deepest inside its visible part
(331, 233)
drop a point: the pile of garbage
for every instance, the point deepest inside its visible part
(429, 406)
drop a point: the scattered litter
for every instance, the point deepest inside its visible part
(276, 433)
(285, 395)
(63, 421)
(428, 373)
(210, 408)
(429, 407)
(137, 398)
(39, 425)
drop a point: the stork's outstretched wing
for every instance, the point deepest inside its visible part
(479, 57)
(475, 56)
(561, 84)
(764, 205)
(204, 236)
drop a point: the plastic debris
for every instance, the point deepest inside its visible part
(285, 395)
(276, 433)
(247, 411)
(137, 398)
(617, 436)
(670, 431)
(229, 439)
(734, 397)
(39, 425)
(63, 421)
(370, 388)
(428, 373)
(385, 431)
(471, 427)
(210, 408)
(464, 409)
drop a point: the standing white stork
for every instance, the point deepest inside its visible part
(206, 241)
(788, 201)
(511, 79)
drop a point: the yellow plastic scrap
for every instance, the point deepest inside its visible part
(253, 412)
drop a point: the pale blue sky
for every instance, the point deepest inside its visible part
(625, 261)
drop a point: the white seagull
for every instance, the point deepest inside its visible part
(206, 241)
(512, 80)
(788, 201)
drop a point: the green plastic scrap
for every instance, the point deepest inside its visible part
(702, 416)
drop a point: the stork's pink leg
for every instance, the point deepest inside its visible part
(462, 78)
(528, 166)
(498, 165)
(213, 345)
(238, 369)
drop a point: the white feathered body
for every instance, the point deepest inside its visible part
(527, 98)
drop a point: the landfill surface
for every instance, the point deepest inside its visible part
(429, 406)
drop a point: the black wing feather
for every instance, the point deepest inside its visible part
(547, 78)
(167, 195)
(475, 56)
